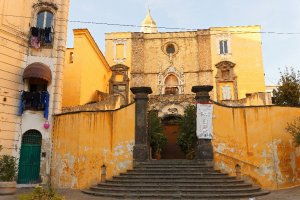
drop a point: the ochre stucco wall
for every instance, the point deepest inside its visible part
(245, 50)
(255, 138)
(83, 142)
(88, 72)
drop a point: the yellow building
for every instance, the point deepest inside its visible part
(229, 58)
(32, 48)
(86, 72)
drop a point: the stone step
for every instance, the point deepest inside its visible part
(177, 181)
(176, 195)
(186, 185)
(173, 167)
(225, 196)
(174, 161)
(133, 173)
(175, 190)
(171, 170)
(168, 164)
(171, 178)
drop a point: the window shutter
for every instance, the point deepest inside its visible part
(221, 46)
(225, 47)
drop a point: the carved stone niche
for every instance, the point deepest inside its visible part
(226, 74)
(45, 5)
(225, 71)
(119, 82)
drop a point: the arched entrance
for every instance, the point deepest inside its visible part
(30, 157)
(171, 130)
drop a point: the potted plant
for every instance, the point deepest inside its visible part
(157, 139)
(8, 171)
(158, 143)
(187, 137)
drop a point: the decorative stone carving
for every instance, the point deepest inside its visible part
(170, 104)
(162, 76)
(119, 42)
(119, 86)
(173, 110)
(226, 74)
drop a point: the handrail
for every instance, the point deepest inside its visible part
(238, 159)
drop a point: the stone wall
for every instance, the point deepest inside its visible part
(85, 141)
(256, 99)
(255, 139)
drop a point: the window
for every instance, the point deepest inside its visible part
(170, 49)
(71, 60)
(37, 85)
(226, 93)
(223, 44)
(171, 83)
(248, 95)
(44, 19)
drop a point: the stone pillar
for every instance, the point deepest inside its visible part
(204, 149)
(140, 149)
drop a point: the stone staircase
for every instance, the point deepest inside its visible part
(175, 179)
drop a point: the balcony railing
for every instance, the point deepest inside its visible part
(38, 101)
(40, 37)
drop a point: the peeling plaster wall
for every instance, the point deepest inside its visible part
(83, 142)
(255, 138)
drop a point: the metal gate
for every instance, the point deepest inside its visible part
(30, 157)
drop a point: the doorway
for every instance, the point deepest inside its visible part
(30, 158)
(171, 131)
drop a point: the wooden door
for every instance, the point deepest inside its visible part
(172, 150)
(30, 157)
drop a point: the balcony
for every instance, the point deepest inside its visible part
(41, 37)
(37, 101)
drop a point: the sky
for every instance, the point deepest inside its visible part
(279, 16)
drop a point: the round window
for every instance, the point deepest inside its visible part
(170, 49)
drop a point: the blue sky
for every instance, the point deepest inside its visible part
(279, 50)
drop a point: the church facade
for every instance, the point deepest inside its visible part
(229, 58)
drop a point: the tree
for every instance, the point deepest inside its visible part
(294, 129)
(158, 140)
(187, 126)
(288, 92)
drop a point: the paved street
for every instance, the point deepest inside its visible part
(290, 194)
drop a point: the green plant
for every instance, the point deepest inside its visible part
(40, 193)
(288, 92)
(294, 129)
(187, 126)
(158, 140)
(8, 167)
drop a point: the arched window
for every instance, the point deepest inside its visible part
(44, 19)
(171, 83)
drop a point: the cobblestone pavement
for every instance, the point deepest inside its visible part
(289, 194)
